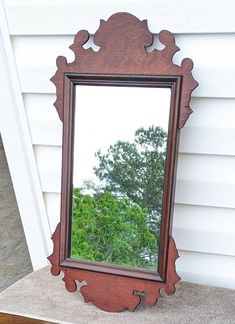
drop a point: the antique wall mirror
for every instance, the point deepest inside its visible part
(122, 106)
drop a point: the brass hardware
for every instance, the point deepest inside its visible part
(139, 293)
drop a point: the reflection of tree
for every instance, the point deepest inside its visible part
(111, 230)
(134, 173)
(136, 170)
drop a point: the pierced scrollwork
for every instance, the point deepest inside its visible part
(123, 39)
(120, 291)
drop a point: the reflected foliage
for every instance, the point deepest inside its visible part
(110, 230)
(119, 220)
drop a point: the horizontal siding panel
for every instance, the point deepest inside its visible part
(222, 87)
(47, 48)
(49, 162)
(194, 140)
(52, 202)
(50, 180)
(204, 268)
(195, 228)
(201, 135)
(192, 240)
(199, 140)
(185, 216)
(68, 16)
(204, 218)
(218, 169)
(212, 113)
(207, 112)
(201, 180)
(214, 73)
(54, 220)
(44, 123)
(204, 229)
(202, 193)
(46, 133)
(204, 241)
(39, 107)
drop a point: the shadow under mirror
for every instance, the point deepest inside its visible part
(120, 140)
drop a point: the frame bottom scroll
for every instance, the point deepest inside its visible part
(114, 293)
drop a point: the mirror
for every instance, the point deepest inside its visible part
(120, 140)
(122, 108)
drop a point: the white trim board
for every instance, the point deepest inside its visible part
(20, 156)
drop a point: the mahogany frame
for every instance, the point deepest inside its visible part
(121, 61)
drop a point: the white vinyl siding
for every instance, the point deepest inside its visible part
(204, 215)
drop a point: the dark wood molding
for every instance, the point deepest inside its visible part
(172, 82)
(122, 60)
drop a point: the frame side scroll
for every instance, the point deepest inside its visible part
(122, 57)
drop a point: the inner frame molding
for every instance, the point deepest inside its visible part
(70, 81)
(122, 60)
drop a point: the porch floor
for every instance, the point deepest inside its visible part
(14, 256)
(40, 295)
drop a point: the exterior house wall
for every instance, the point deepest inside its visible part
(204, 213)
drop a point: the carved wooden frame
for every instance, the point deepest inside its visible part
(121, 60)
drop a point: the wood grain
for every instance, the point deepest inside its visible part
(16, 319)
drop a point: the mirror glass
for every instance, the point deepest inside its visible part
(120, 139)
